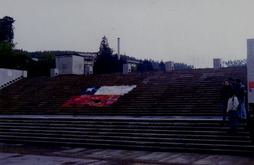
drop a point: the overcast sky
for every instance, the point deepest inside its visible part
(189, 31)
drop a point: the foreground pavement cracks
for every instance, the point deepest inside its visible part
(12, 154)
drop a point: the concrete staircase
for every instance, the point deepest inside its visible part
(183, 134)
(175, 111)
(181, 93)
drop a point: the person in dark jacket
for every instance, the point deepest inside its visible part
(240, 94)
(224, 94)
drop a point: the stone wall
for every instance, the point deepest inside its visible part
(9, 76)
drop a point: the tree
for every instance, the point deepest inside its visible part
(45, 62)
(235, 63)
(182, 66)
(6, 45)
(6, 29)
(106, 62)
(6, 54)
(145, 66)
(162, 66)
(21, 60)
(13, 59)
(104, 48)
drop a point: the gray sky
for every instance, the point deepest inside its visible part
(189, 31)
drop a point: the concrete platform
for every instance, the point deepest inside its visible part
(19, 154)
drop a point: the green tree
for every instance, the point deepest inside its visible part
(45, 62)
(6, 54)
(162, 66)
(6, 46)
(13, 59)
(104, 48)
(145, 66)
(6, 29)
(182, 66)
(106, 62)
(21, 60)
(235, 63)
(18, 59)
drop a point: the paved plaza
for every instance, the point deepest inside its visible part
(19, 154)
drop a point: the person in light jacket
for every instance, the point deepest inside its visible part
(232, 112)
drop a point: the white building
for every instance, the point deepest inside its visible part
(130, 66)
(217, 63)
(169, 66)
(89, 59)
(74, 63)
(70, 64)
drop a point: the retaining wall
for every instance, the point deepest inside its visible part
(9, 76)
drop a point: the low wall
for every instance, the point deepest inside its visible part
(9, 76)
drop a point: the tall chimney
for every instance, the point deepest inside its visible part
(118, 48)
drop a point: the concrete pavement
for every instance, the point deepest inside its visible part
(19, 154)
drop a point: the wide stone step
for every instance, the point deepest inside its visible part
(180, 132)
(182, 135)
(138, 147)
(157, 126)
(131, 111)
(127, 132)
(141, 145)
(120, 120)
(76, 137)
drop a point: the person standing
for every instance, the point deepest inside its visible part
(232, 112)
(240, 94)
(224, 94)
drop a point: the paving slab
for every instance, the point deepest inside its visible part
(49, 155)
(46, 160)
(7, 155)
